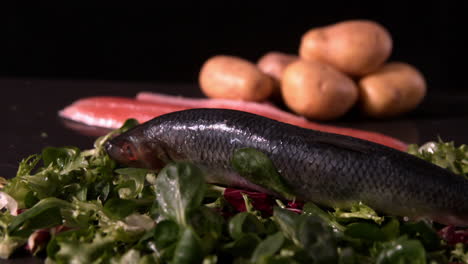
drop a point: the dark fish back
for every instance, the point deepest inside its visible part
(330, 169)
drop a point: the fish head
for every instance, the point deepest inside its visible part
(133, 152)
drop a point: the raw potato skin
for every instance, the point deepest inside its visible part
(355, 47)
(273, 64)
(394, 89)
(317, 90)
(231, 77)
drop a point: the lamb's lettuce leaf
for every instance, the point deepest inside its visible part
(96, 211)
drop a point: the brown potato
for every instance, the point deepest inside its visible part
(231, 77)
(394, 89)
(273, 64)
(317, 90)
(355, 47)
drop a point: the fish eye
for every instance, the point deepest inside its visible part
(129, 151)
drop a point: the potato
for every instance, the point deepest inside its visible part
(394, 89)
(355, 47)
(231, 77)
(317, 90)
(273, 64)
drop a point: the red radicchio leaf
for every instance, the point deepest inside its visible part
(295, 206)
(453, 236)
(260, 201)
(37, 240)
(20, 211)
(294, 210)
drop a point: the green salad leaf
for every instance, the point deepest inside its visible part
(245, 223)
(96, 211)
(268, 247)
(365, 231)
(242, 247)
(313, 209)
(460, 253)
(189, 248)
(402, 250)
(95, 251)
(258, 168)
(443, 154)
(117, 208)
(8, 243)
(309, 233)
(209, 226)
(179, 191)
(44, 214)
(166, 234)
(358, 211)
(423, 232)
(131, 182)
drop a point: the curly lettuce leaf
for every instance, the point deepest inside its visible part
(358, 211)
(459, 253)
(100, 250)
(109, 215)
(443, 154)
(8, 243)
(130, 182)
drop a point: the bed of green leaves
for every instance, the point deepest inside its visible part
(92, 211)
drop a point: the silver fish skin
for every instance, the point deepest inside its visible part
(328, 169)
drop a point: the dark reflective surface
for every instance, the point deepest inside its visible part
(29, 118)
(30, 121)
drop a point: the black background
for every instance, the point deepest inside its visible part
(50, 57)
(170, 43)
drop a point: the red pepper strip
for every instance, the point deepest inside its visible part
(111, 112)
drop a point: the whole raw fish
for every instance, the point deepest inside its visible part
(329, 169)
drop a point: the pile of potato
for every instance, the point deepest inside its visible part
(338, 66)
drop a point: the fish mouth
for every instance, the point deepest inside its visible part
(108, 146)
(115, 152)
(112, 150)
